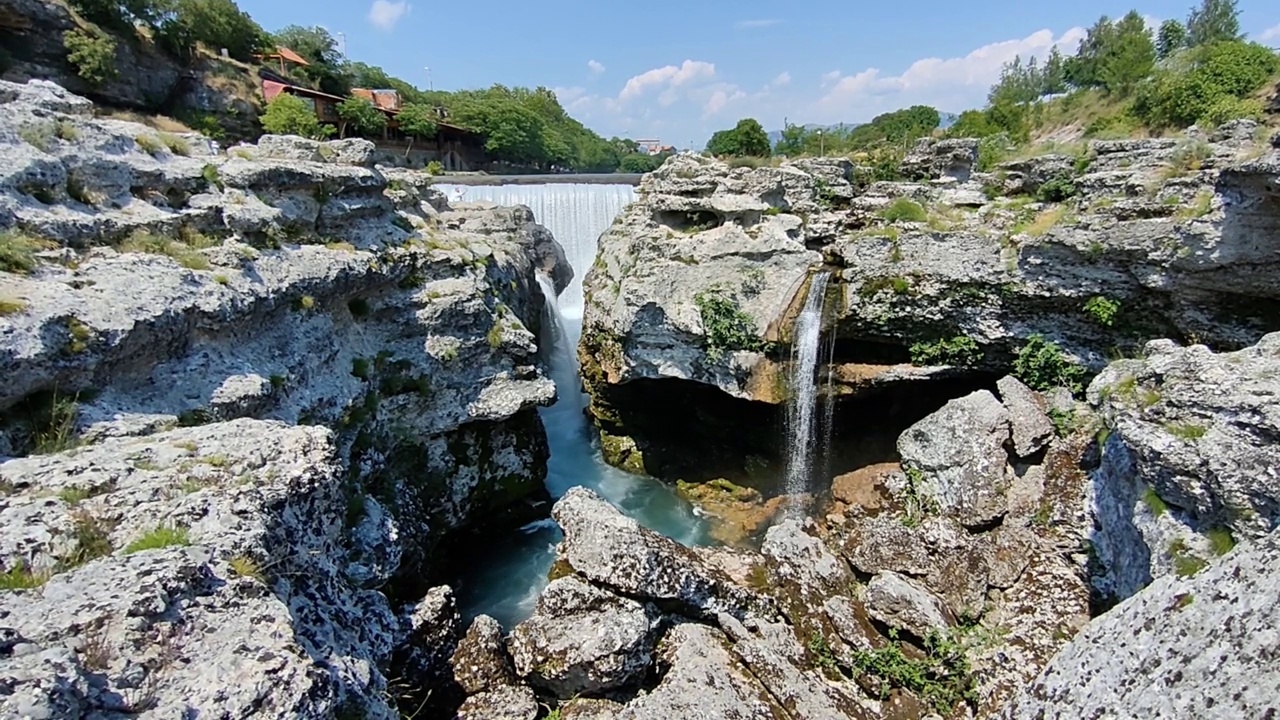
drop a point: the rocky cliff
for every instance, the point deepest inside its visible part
(246, 396)
(952, 274)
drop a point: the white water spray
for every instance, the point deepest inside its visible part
(575, 213)
(802, 404)
(505, 584)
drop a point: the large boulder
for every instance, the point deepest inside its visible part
(584, 640)
(897, 602)
(614, 551)
(956, 458)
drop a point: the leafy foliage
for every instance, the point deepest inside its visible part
(161, 536)
(1171, 38)
(960, 350)
(289, 115)
(1214, 21)
(1203, 81)
(92, 54)
(746, 139)
(1043, 366)
(1102, 310)
(417, 120)
(1056, 190)
(361, 116)
(216, 24)
(943, 679)
(727, 326)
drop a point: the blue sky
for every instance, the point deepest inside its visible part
(677, 71)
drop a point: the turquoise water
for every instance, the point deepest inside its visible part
(504, 580)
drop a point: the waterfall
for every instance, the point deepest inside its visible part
(802, 404)
(575, 213)
(504, 581)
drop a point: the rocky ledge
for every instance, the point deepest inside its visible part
(948, 276)
(246, 397)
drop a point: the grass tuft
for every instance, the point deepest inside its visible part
(161, 536)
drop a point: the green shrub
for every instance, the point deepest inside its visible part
(144, 241)
(289, 115)
(11, 306)
(161, 536)
(1102, 310)
(960, 351)
(726, 326)
(1154, 502)
(149, 144)
(1043, 366)
(1226, 109)
(904, 210)
(92, 54)
(1221, 541)
(943, 679)
(53, 424)
(435, 167)
(1056, 190)
(1194, 83)
(38, 134)
(211, 175)
(91, 541)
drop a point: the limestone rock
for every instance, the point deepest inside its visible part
(1028, 418)
(960, 455)
(931, 159)
(614, 551)
(1183, 461)
(702, 680)
(508, 702)
(897, 602)
(1196, 647)
(481, 662)
(581, 639)
(589, 709)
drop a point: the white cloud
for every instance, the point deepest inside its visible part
(784, 78)
(385, 14)
(668, 77)
(1270, 36)
(721, 97)
(595, 67)
(753, 24)
(830, 77)
(951, 84)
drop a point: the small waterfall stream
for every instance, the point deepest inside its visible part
(803, 442)
(504, 581)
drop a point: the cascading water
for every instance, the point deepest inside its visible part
(575, 213)
(505, 583)
(802, 405)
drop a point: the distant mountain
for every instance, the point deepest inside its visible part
(947, 120)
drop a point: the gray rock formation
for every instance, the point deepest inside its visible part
(897, 602)
(354, 364)
(583, 640)
(1199, 647)
(614, 551)
(481, 662)
(955, 458)
(1028, 422)
(1184, 471)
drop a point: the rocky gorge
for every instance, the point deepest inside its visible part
(255, 403)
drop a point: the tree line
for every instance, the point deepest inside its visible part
(525, 127)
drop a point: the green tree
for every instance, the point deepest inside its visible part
(640, 163)
(417, 121)
(92, 53)
(1171, 38)
(1054, 79)
(289, 115)
(326, 70)
(361, 116)
(1213, 21)
(1201, 83)
(1128, 57)
(216, 24)
(791, 143)
(121, 14)
(747, 138)
(1084, 68)
(974, 124)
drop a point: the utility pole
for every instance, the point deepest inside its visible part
(822, 148)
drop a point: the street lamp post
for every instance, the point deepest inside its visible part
(822, 148)
(430, 85)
